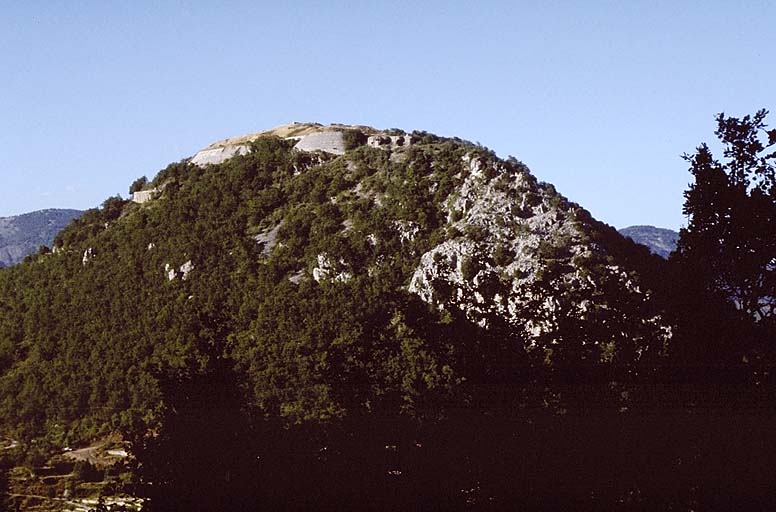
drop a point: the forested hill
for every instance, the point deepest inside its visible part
(395, 275)
(21, 235)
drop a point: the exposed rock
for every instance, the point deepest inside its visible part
(408, 230)
(525, 258)
(170, 271)
(88, 255)
(310, 136)
(144, 196)
(218, 154)
(328, 141)
(185, 269)
(327, 268)
(297, 277)
(182, 271)
(324, 268)
(267, 239)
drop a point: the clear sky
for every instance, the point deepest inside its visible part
(599, 98)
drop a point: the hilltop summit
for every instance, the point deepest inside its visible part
(292, 130)
(334, 139)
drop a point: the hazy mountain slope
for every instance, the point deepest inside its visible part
(659, 240)
(21, 235)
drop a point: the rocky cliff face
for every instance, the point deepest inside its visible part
(23, 234)
(527, 257)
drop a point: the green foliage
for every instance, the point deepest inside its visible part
(138, 185)
(476, 232)
(470, 267)
(549, 250)
(503, 255)
(422, 137)
(533, 199)
(84, 471)
(82, 340)
(112, 208)
(353, 139)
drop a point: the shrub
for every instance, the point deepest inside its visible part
(138, 185)
(353, 139)
(503, 255)
(86, 472)
(476, 232)
(470, 267)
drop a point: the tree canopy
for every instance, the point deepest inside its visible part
(730, 239)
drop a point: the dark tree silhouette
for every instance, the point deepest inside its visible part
(200, 458)
(728, 249)
(5, 465)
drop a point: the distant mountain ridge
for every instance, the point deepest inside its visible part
(660, 241)
(21, 235)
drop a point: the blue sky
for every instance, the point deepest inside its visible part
(599, 98)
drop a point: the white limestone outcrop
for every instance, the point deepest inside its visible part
(310, 137)
(326, 141)
(143, 196)
(329, 270)
(524, 258)
(218, 154)
(183, 271)
(88, 255)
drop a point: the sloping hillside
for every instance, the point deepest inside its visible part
(367, 293)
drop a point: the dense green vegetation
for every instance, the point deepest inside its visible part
(192, 325)
(100, 320)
